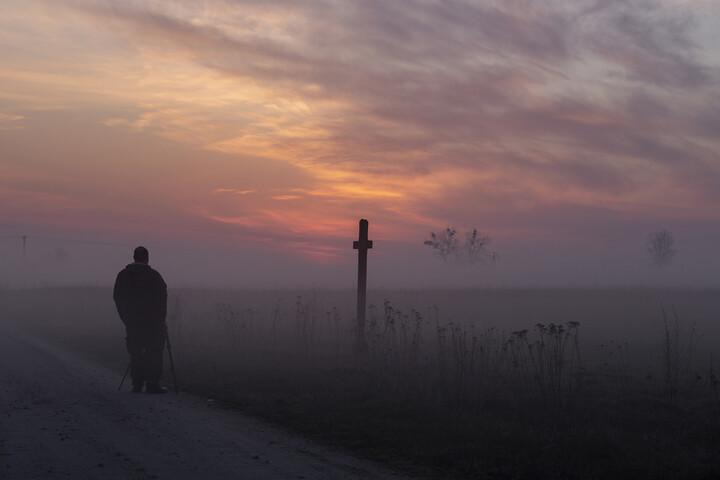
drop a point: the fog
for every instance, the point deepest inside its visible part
(56, 261)
(507, 341)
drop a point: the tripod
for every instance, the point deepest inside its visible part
(172, 364)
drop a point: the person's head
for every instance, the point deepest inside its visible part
(141, 255)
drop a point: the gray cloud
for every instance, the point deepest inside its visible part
(652, 47)
(460, 79)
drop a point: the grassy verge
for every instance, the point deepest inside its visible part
(349, 406)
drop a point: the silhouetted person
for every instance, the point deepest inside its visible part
(140, 296)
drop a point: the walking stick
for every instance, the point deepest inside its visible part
(124, 376)
(172, 364)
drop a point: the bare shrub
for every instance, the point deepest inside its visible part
(447, 246)
(660, 246)
(677, 349)
(444, 243)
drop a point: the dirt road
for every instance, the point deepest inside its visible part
(62, 416)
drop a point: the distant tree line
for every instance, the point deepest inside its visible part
(472, 248)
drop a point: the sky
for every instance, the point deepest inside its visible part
(263, 130)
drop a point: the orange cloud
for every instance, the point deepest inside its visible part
(232, 190)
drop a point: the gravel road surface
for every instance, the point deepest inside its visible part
(61, 416)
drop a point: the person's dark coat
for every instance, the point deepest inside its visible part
(140, 296)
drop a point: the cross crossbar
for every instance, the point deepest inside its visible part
(362, 244)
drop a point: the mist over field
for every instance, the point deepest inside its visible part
(554, 348)
(619, 297)
(64, 261)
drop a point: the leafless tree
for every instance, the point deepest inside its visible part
(449, 248)
(660, 247)
(444, 243)
(475, 245)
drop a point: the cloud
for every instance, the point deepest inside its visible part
(389, 78)
(286, 197)
(418, 112)
(650, 46)
(232, 190)
(9, 121)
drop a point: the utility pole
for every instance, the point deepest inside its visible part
(362, 245)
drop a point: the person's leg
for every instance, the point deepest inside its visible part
(154, 348)
(134, 341)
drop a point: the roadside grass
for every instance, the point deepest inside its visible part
(433, 397)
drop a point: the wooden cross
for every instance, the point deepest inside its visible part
(362, 245)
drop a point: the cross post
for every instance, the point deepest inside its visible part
(362, 245)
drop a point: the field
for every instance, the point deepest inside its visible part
(456, 384)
